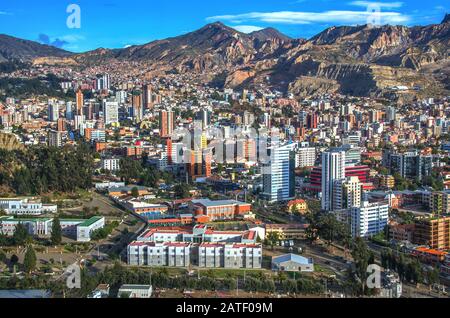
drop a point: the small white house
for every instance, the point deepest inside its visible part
(135, 291)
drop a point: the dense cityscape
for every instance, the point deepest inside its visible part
(127, 181)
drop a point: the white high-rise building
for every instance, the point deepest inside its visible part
(305, 157)
(248, 118)
(121, 97)
(104, 82)
(333, 169)
(79, 121)
(279, 175)
(111, 111)
(111, 164)
(347, 193)
(369, 219)
(267, 120)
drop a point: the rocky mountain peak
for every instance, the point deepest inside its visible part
(270, 34)
(446, 18)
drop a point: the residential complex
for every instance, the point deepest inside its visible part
(197, 246)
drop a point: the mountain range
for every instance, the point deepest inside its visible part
(356, 60)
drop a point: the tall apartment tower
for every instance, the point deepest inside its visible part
(69, 114)
(147, 96)
(111, 111)
(54, 139)
(138, 110)
(279, 175)
(80, 102)
(312, 121)
(53, 112)
(347, 193)
(204, 116)
(166, 123)
(333, 169)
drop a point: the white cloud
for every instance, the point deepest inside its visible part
(331, 17)
(381, 5)
(72, 38)
(246, 28)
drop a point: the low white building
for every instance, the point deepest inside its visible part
(85, 229)
(25, 206)
(199, 247)
(107, 185)
(34, 226)
(135, 291)
(78, 229)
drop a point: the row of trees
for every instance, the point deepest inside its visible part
(327, 227)
(138, 170)
(29, 261)
(148, 176)
(409, 270)
(104, 232)
(23, 87)
(433, 180)
(255, 282)
(42, 169)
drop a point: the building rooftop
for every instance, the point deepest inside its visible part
(136, 287)
(431, 251)
(24, 294)
(210, 203)
(91, 221)
(292, 257)
(28, 219)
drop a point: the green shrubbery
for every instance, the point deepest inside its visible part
(104, 232)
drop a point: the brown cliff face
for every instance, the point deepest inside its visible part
(9, 142)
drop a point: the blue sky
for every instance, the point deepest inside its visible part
(118, 23)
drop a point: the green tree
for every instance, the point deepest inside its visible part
(20, 234)
(135, 192)
(29, 262)
(14, 259)
(129, 169)
(3, 257)
(361, 256)
(432, 276)
(182, 191)
(56, 236)
(289, 286)
(273, 238)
